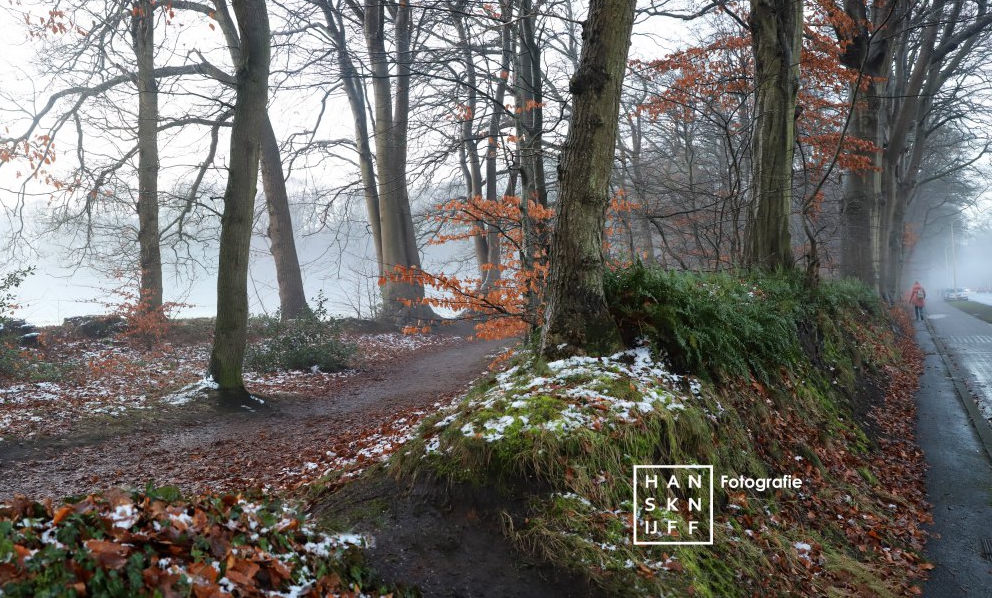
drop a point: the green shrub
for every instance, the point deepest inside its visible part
(720, 325)
(310, 341)
(709, 324)
(263, 325)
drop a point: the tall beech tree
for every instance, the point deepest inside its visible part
(907, 53)
(252, 78)
(150, 253)
(776, 36)
(577, 318)
(388, 30)
(289, 278)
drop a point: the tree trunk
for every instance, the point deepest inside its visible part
(862, 192)
(776, 29)
(150, 254)
(578, 319)
(633, 168)
(529, 99)
(495, 240)
(239, 197)
(469, 148)
(292, 297)
(354, 87)
(402, 299)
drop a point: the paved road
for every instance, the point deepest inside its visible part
(957, 442)
(968, 341)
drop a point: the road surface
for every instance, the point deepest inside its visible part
(956, 438)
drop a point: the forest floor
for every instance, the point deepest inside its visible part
(120, 417)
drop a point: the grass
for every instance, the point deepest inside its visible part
(979, 310)
(756, 377)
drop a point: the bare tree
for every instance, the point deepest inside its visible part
(231, 325)
(150, 254)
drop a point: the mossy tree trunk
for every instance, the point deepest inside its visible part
(776, 34)
(862, 192)
(239, 197)
(577, 318)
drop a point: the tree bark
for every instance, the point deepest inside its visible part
(529, 99)
(577, 318)
(469, 147)
(776, 30)
(292, 297)
(354, 87)
(239, 197)
(493, 274)
(862, 192)
(402, 299)
(150, 253)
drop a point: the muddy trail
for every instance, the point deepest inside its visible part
(209, 446)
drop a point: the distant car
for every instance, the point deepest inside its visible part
(955, 294)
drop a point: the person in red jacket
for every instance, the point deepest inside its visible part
(918, 298)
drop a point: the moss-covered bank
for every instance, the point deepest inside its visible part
(759, 378)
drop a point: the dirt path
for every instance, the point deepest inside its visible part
(200, 448)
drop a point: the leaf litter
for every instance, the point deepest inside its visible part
(222, 540)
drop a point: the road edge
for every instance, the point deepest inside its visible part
(978, 421)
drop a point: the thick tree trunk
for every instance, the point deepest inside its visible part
(150, 253)
(776, 29)
(893, 251)
(577, 318)
(862, 193)
(401, 298)
(292, 297)
(239, 197)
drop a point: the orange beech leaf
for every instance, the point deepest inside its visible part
(241, 571)
(62, 513)
(108, 555)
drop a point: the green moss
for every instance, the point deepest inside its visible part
(868, 476)
(741, 337)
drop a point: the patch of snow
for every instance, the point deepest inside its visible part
(124, 516)
(189, 393)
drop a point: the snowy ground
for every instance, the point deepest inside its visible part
(94, 378)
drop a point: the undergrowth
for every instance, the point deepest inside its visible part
(723, 326)
(157, 543)
(758, 377)
(311, 341)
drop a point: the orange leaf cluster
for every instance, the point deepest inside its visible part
(143, 323)
(173, 548)
(500, 296)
